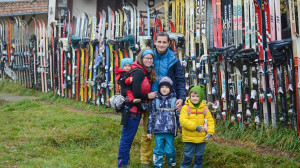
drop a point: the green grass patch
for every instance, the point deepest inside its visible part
(281, 138)
(41, 135)
(16, 89)
(34, 134)
(2, 102)
(7, 86)
(72, 103)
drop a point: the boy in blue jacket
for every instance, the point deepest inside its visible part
(163, 122)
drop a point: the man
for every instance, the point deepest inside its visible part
(165, 64)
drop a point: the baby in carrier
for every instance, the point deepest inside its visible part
(125, 80)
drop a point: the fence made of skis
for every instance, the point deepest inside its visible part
(235, 50)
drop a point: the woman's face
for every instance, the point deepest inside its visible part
(147, 60)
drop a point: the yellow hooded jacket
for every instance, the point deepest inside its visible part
(190, 122)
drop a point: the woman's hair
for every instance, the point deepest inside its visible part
(152, 74)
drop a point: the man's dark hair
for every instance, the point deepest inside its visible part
(163, 34)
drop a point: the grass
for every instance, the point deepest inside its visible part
(7, 86)
(38, 134)
(41, 135)
(50, 97)
(54, 99)
(281, 138)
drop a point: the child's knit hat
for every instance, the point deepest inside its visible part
(199, 91)
(165, 81)
(126, 61)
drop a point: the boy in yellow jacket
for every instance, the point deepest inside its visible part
(198, 126)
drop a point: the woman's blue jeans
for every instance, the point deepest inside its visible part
(128, 134)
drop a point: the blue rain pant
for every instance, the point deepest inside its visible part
(164, 144)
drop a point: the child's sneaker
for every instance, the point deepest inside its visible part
(135, 101)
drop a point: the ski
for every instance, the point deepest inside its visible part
(262, 68)
(271, 69)
(247, 20)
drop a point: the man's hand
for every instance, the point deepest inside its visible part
(149, 136)
(151, 95)
(130, 79)
(178, 105)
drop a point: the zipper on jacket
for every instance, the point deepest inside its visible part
(158, 70)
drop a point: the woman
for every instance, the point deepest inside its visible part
(141, 86)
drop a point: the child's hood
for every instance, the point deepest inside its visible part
(199, 91)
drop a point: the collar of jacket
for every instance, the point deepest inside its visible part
(201, 106)
(137, 65)
(169, 53)
(169, 96)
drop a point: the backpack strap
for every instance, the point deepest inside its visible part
(134, 69)
(173, 101)
(205, 110)
(189, 110)
(157, 103)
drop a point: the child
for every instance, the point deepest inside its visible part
(163, 123)
(195, 132)
(122, 76)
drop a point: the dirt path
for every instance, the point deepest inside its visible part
(12, 98)
(264, 150)
(258, 148)
(109, 115)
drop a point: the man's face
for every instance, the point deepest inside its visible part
(162, 44)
